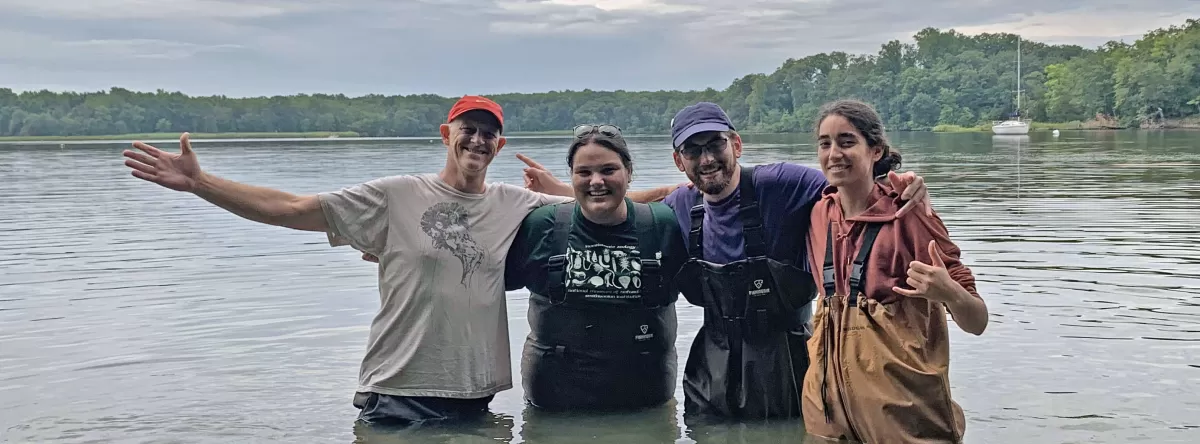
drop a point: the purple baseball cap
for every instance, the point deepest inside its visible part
(698, 118)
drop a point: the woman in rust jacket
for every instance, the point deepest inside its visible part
(880, 347)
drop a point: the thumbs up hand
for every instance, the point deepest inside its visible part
(930, 281)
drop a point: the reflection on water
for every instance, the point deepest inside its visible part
(129, 313)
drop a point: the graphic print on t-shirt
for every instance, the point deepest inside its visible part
(446, 224)
(604, 272)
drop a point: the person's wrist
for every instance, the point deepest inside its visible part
(201, 183)
(956, 298)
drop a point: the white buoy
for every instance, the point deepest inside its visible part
(1055, 133)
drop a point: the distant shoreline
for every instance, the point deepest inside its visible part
(317, 135)
(1094, 124)
(175, 135)
(330, 135)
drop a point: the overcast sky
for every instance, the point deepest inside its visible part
(454, 47)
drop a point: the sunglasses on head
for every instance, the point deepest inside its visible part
(606, 129)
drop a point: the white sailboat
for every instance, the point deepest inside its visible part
(1015, 125)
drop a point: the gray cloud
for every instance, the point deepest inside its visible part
(488, 46)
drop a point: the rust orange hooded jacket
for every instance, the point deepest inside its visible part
(879, 366)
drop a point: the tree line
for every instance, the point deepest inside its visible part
(942, 78)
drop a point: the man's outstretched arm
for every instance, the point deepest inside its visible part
(263, 205)
(181, 172)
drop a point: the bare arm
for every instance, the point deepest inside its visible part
(651, 195)
(263, 205)
(969, 311)
(181, 172)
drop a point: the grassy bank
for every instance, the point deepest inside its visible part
(194, 136)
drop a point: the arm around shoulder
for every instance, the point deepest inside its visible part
(653, 194)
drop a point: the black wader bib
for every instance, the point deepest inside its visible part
(600, 355)
(749, 358)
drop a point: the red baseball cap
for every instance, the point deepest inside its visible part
(471, 103)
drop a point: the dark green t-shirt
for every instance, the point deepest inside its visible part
(604, 264)
(605, 347)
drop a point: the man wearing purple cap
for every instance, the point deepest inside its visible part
(746, 236)
(438, 348)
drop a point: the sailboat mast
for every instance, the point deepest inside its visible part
(1018, 77)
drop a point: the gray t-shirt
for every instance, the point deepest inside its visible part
(442, 325)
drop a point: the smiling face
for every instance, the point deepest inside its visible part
(708, 159)
(472, 141)
(600, 179)
(843, 152)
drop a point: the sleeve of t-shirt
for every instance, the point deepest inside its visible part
(796, 186)
(680, 204)
(518, 256)
(521, 260)
(358, 215)
(675, 252)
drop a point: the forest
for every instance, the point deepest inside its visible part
(942, 79)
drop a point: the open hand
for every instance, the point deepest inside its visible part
(538, 178)
(912, 189)
(930, 281)
(178, 172)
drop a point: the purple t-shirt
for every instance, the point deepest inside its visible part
(786, 195)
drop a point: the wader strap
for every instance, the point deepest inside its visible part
(753, 236)
(755, 247)
(827, 275)
(649, 255)
(829, 281)
(858, 272)
(696, 235)
(556, 276)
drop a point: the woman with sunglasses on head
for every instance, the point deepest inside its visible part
(600, 272)
(880, 347)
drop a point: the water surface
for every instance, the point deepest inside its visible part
(131, 313)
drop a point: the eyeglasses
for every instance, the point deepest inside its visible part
(694, 151)
(606, 129)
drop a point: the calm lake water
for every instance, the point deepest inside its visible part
(131, 313)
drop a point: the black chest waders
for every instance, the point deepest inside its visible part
(600, 355)
(749, 358)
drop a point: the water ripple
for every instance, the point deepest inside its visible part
(129, 313)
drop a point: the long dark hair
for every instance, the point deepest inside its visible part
(870, 125)
(610, 140)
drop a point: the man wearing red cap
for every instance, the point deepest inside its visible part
(438, 348)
